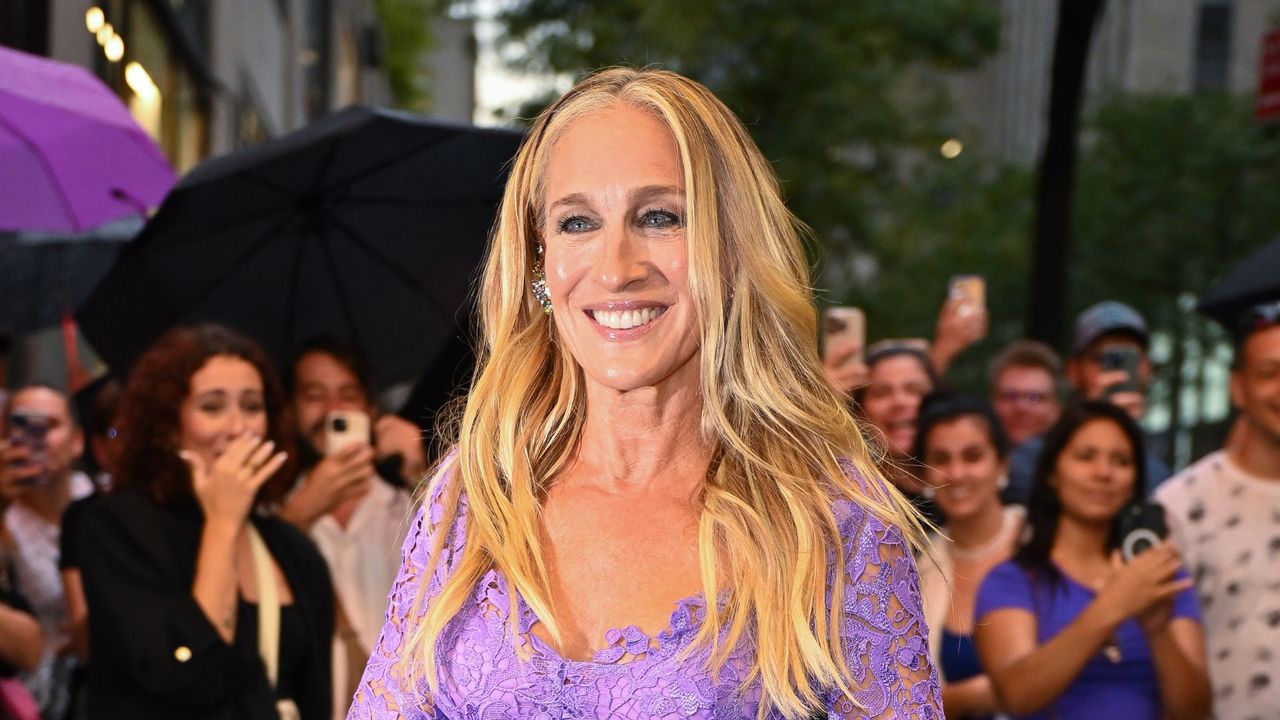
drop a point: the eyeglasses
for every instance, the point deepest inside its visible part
(1259, 317)
(1016, 396)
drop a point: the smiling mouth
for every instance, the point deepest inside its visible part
(626, 319)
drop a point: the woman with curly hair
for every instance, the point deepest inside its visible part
(656, 506)
(200, 604)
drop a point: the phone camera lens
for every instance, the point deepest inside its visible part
(339, 424)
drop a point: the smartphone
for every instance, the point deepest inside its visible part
(972, 289)
(30, 429)
(343, 427)
(842, 327)
(1140, 527)
(1125, 358)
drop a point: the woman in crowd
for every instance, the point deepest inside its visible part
(898, 377)
(657, 506)
(1067, 629)
(964, 454)
(200, 606)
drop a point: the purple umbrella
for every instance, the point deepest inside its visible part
(71, 156)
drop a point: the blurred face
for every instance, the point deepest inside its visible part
(1023, 398)
(963, 467)
(64, 442)
(892, 400)
(1095, 473)
(226, 401)
(322, 384)
(1255, 386)
(616, 261)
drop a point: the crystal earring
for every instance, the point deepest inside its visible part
(539, 283)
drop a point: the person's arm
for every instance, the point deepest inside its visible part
(960, 325)
(973, 696)
(21, 642)
(898, 676)
(1178, 653)
(1028, 676)
(77, 612)
(335, 478)
(226, 490)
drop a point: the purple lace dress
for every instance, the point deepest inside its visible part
(483, 675)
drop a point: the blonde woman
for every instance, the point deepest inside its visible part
(657, 506)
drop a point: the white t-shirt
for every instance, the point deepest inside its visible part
(1226, 523)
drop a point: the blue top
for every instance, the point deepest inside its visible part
(958, 657)
(1125, 689)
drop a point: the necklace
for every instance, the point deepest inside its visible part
(999, 541)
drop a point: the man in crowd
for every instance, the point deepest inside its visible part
(1224, 514)
(353, 502)
(41, 444)
(1025, 381)
(1110, 361)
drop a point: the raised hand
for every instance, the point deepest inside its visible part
(337, 477)
(1144, 588)
(226, 488)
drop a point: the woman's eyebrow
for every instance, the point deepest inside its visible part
(572, 199)
(649, 192)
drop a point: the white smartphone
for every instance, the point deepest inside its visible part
(343, 427)
(843, 325)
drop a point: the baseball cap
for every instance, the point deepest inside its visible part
(1108, 316)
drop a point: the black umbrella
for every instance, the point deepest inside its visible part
(1256, 279)
(368, 225)
(44, 275)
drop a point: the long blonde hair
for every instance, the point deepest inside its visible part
(776, 427)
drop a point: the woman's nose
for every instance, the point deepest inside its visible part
(236, 422)
(620, 261)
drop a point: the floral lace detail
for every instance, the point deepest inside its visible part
(484, 675)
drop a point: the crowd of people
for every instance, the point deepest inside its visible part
(1032, 613)
(651, 426)
(130, 566)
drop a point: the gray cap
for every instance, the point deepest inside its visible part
(1108, 316)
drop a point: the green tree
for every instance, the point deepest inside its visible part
(1172, 190)
(843, 97)
(406, 27)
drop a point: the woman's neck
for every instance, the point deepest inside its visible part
(641, 440)
(1080, 541)
(979, 528)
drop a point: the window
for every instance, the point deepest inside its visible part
(1213, 46)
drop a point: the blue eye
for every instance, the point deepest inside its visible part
(659, 220)
(575, 224)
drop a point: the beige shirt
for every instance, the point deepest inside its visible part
(363, 559)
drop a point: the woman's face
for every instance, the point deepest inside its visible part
(226, 400)
(1095, 472)
(963, 467)
(616, 260)
(891, 401)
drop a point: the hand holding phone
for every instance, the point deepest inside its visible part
(28, 444)
(345, 427)
(1140, 527)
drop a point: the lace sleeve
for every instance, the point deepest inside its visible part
(386, 690)
(885, 635)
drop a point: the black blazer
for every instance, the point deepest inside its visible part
(155, 654)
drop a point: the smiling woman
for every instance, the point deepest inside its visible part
(657, 505)
(184, 573)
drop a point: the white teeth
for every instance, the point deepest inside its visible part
(626, 319)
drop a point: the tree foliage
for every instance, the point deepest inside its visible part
(843, 97)
(407, 34)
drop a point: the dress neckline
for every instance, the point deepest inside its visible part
(686, 619)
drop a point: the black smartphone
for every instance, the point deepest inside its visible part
(1125, 359)
(1140, 527)
(30, 429)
